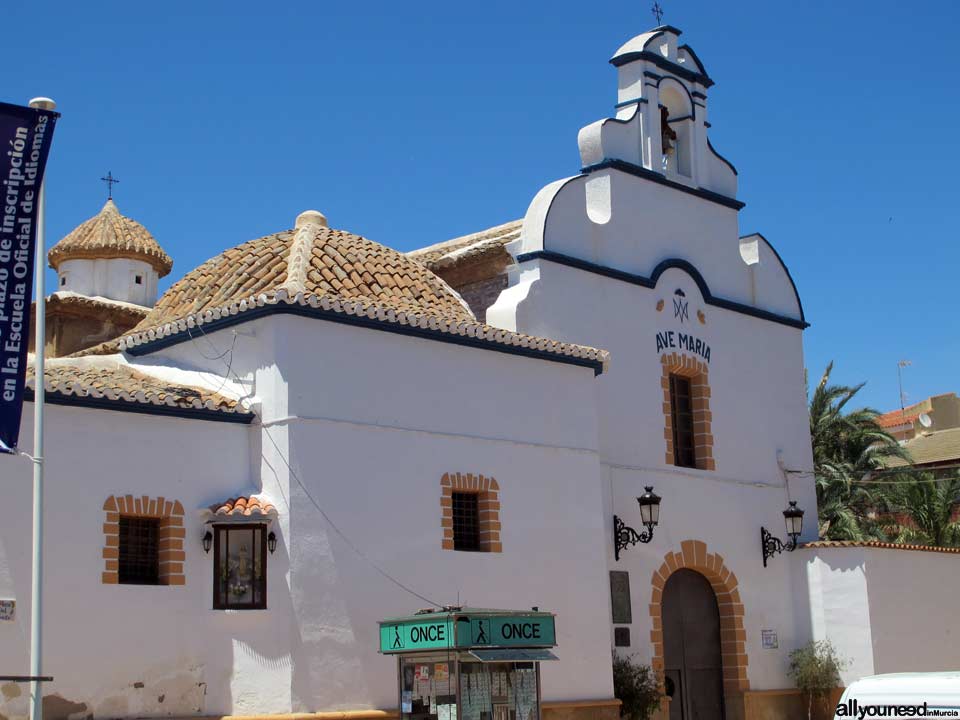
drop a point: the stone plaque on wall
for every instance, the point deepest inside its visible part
(620, 597)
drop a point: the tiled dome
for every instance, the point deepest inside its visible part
(311, 259)
(108, 234)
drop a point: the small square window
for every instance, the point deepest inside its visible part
(138, 279)
(621, 637)
(240, 567)
(63, 281)
(466, 521)
(139, 551)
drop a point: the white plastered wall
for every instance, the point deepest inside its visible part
(370, 442)
(885, 610)
(369, 422)
(622, 222)
(125, 650)
(113, 278)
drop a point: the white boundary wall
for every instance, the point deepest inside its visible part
(886, 610)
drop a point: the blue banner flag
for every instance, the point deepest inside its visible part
(25, 135)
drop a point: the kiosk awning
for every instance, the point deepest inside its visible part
(513, 655)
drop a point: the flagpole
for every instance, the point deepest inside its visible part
(40, 322)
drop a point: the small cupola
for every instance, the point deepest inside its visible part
(110, 256)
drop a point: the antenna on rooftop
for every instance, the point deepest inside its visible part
(900, 365)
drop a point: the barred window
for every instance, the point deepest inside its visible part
(681, 408)
(466, 521)
(139, 551)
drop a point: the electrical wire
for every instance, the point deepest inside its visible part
(902, 470)
(303, 487)
(226, 377)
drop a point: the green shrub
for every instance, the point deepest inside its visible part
(815, 669)
(636, 686)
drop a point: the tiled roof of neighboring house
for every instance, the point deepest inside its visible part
(461, 248)
(68, 300)
(123, 384)
(244, 506)
(896, 418)
(332, 272)
(108, 234)
(933, 447)
(878, 544)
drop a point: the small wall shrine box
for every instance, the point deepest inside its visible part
(468, 663)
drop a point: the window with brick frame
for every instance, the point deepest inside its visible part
(141, 534)
(681, 409)
(686, 409)
(465, 496)
(466, 521)
(139, 561)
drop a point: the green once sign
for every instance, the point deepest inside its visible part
(466, 631)
(510, 631)
(414, 636)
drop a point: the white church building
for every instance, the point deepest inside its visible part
(311, 433)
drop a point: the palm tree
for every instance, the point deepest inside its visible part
(846, 447)
(929, 504)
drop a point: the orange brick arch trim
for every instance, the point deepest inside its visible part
(698, 372)
(170, 514)
(488, 505)
(733, 638)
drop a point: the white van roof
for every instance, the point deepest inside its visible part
(940, 689)
(906, 681)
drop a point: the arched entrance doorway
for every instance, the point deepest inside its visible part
(693, 669)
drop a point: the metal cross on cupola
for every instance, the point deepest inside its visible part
(657, 13)
(110, 180)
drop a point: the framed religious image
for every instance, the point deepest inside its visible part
(240, 566)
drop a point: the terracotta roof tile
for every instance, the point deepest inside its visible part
(461, 248)
(896, 418)
(108, 234)
(96, 304)
(244, 506)
(938, 446)
(263, 266)
(124, 384)
(878, 544)
(312, 266)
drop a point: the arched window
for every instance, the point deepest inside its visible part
(676, 128)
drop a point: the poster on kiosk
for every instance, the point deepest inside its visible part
(469, 663)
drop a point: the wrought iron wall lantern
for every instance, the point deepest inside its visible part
(793, 518)
(624, 536)
(272, 542)
(207, 541)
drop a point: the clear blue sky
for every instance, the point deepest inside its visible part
(413, 123)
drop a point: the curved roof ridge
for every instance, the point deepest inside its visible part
(301, 249)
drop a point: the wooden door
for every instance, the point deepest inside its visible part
(693, 672)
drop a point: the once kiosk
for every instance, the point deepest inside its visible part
(469, 663)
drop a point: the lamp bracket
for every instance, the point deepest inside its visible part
(773, 545)
(624, 536)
